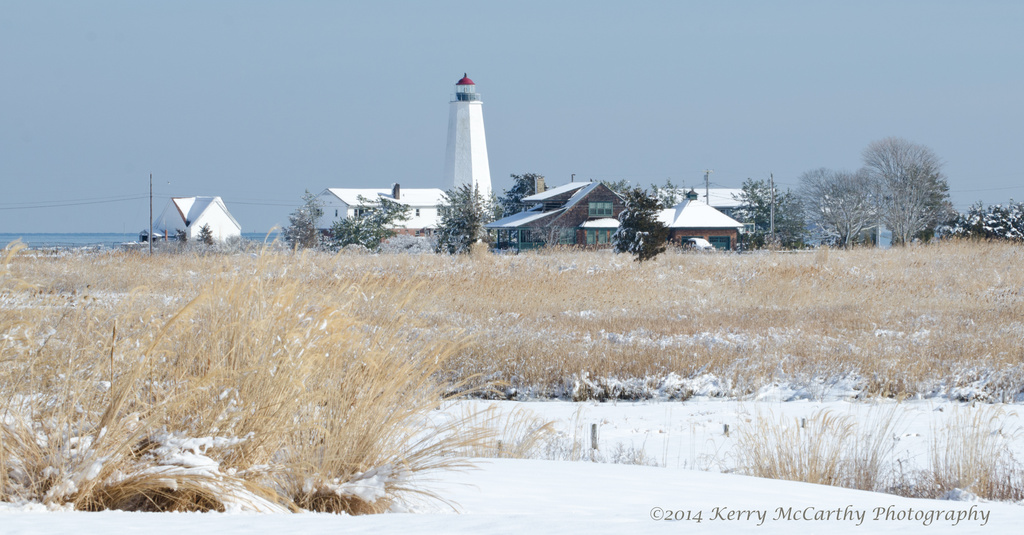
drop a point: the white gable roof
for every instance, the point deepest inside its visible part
(191, 209)
(579, 195)
(547, 194)
(190, 213)
(721, 197)
(407, 196)
(522, 218)
(696, 214)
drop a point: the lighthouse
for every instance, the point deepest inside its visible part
(465, 159)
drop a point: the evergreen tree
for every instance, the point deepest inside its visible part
(302, 233)
(370, 226)
(464, 212)
(640, 232)
(206, 234)
(668, 195)
(618, 186)
(996, 222)
(522, 186)
(755, 207)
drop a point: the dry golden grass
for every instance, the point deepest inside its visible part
(311, 374)
(826, 449)
(939, 319)
(917, 320)
(203, 383)
(972, 453)
(518, 434)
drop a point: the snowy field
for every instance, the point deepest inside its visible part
(690, 489)
(790, 369)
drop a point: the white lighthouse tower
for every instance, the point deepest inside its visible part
(465, 160)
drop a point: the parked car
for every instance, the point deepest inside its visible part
(700, 244)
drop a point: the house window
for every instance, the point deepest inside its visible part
(417, 212)
(360, 212)
(335, 212)
(600, 209)
(567, 236)
(599, 236)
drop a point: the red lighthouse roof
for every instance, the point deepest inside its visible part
(465, 80)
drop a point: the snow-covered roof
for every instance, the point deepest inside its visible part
(191, 213)
(407, 196)
(190, 208)
(696, 214)
(579, 195)
(520, 219)
(554, 192)
(579, 191)
(608, 222)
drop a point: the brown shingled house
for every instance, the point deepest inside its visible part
(578, 213)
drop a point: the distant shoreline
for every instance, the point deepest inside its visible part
(88, 239)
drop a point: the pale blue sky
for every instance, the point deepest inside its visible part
(259, 101)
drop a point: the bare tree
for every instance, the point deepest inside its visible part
(839, 203)
(914, 195)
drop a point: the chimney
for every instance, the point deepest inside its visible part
(538, 185)
(396, 191)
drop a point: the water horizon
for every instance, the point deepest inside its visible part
(36, 240)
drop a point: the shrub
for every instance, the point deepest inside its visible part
(404, 243)
(256, 393)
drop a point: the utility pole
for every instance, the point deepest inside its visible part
(771, 186)
(707, 186)
(150, 239)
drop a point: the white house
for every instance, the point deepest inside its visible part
(191, 214)
(423, 205)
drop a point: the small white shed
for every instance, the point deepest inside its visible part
(191, 214)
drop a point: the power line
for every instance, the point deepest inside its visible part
(59, 204)
(31, 205)
(984, 189)
(253, 203)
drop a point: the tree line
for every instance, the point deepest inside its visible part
(900, 186)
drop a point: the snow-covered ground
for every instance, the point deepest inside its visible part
(690, 490)
(530, 496)
(693, 435)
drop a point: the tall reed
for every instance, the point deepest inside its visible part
(972, 453)
(827, 449)
(234, 385)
